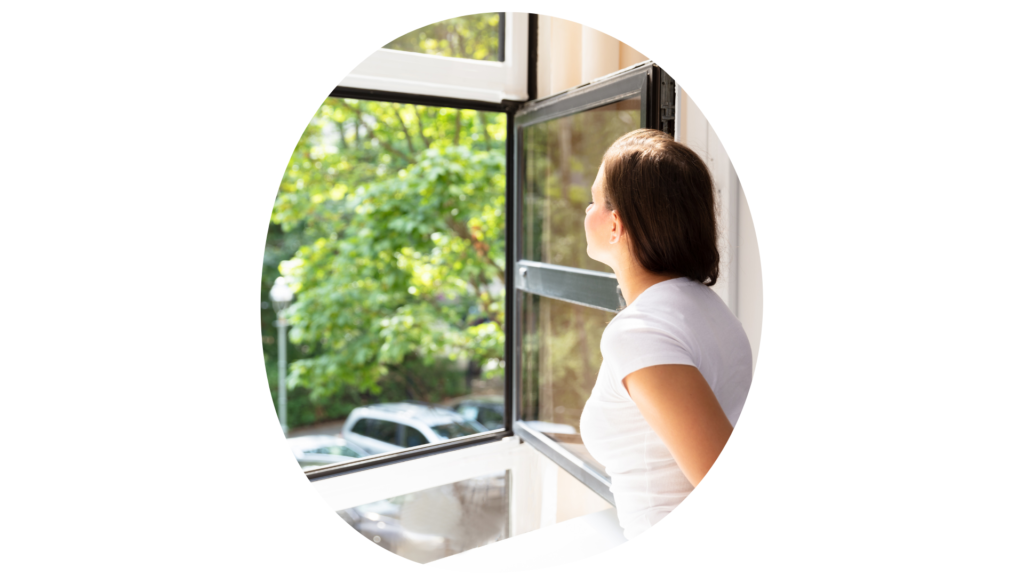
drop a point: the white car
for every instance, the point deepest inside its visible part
(321, 450)
(381, 428)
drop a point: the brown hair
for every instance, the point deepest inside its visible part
(665, 196)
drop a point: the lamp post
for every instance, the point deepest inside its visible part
(281, 296)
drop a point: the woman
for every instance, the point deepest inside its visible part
(677, 364)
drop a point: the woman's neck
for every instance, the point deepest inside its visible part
(634, 279)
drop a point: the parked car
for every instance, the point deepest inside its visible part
(321, 449)
(488, 410)
(380, 428)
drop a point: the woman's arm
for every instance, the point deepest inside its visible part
(681, 408)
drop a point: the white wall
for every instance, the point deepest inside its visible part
(570, 54)
(749, 297)
(739, 281)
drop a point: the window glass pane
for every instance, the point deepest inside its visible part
(490, 418)
(562, 157)
(488, 411)
(478, 37)
(389, 222)
(561, 359)
(438, 522)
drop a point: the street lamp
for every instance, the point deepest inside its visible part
(281, 296)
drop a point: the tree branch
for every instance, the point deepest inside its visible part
(479, 246)
(341, 139)
(408, 138)
(458, 125)
(384, 143)
(483, 128)
(419, 124)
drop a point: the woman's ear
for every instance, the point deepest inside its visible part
(617, 230)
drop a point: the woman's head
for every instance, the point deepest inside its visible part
(658, 195)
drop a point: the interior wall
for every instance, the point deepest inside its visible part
(570, 54)
(749, 276)
(739, 283)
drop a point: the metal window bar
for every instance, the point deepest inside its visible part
(584, 287)
(567, 461)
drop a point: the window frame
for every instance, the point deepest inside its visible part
(394, 76)
(447, 77)
(508, 108)
(589, 288)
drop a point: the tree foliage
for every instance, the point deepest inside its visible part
(474, 36)
(399, 271)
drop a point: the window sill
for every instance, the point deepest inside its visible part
(563, 542)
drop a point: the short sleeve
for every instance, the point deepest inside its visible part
(635, 342)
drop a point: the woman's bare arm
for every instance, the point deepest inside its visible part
(681, 408)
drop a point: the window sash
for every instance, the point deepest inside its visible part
(363, 464)
(443, 76)
(578, 286)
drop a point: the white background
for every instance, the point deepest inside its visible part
(879, 145)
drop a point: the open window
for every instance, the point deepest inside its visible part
(563, 299)
(411, 268)
(386, 118)
(556, 300)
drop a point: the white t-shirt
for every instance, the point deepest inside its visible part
(677, 321)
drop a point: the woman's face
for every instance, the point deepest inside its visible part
(601, 225)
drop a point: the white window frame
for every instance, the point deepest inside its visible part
(531, 493)
(485, 81)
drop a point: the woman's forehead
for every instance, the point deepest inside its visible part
(599, 179)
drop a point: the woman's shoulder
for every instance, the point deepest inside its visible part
(659, 310)
(648, 332)
(674, 307)
(671, 299)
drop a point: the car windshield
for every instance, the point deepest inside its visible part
(454, 430)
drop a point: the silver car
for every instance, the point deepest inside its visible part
(381, 428)
(321, 450)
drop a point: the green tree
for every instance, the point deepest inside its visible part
(396, 213)
(474, 36)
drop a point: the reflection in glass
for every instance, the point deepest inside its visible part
(562, 157)
(477, 37)
(561, 359)
(437, 522)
